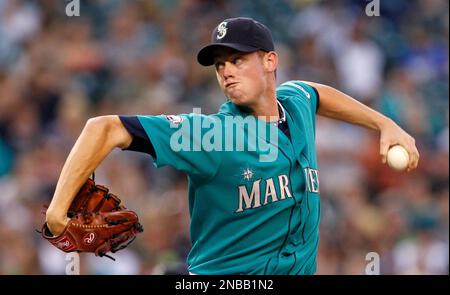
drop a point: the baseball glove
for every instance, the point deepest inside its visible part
(98, 223)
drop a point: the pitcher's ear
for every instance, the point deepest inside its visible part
(270, 61)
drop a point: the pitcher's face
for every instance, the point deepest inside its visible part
(241, 76)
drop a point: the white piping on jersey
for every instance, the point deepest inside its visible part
(283, 114)
(282, 118)
(298, 87)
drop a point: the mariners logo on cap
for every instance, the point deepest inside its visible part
(221, 30)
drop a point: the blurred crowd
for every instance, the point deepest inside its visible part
(139, 57)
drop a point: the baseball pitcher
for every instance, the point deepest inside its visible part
(253, 176)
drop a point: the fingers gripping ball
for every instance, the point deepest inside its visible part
(98, 223)
(398, 158)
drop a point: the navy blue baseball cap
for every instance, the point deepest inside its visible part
(241, 33)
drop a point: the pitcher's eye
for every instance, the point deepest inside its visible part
(237, 60)
(218, 65)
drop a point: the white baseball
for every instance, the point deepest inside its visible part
(398, 158)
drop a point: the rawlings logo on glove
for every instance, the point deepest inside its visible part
(98, 223)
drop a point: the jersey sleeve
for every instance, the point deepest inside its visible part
(177, 142)
(301, 90)
(140, 142)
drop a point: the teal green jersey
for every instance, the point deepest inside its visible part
(253, 198)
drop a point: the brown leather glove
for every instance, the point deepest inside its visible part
(98, 223)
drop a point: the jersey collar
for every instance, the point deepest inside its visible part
(231, 108)
(281, 113)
